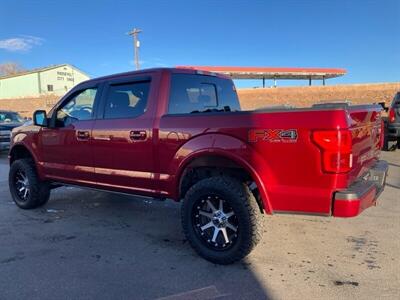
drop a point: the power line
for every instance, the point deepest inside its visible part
(136, 45)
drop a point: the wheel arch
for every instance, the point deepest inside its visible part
(221, 160)
(19, 151)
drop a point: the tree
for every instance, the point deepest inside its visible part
(10, 68)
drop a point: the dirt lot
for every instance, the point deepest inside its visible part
(94, 245)
(256, 98)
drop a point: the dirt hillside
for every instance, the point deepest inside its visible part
(305, 96)
(256, 98)
(26, 106)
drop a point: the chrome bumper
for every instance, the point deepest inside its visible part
(362, 193)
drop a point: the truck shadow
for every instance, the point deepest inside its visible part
(122, 247)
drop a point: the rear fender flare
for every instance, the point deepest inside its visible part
(224, 146)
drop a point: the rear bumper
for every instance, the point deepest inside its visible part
(361, 194)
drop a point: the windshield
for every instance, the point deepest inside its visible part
(10, 117)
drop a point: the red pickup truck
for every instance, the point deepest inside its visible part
(181, 134)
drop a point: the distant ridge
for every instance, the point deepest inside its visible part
(307, 95)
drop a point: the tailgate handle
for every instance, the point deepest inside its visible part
(138, 135)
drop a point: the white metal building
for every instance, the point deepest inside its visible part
(55, 80)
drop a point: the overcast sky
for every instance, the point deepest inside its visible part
(360, 36)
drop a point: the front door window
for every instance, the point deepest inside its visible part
(78, 108)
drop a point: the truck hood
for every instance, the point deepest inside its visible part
(25, 128)
(9, 126)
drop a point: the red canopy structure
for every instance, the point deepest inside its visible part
(273, 72)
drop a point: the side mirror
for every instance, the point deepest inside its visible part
(40, 118)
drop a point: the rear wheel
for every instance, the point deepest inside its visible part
(221, 219)
(25, 186)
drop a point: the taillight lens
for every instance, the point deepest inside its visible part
(392, 115)
(336, 148)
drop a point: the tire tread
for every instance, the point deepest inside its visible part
(40, 190)
(251, 208)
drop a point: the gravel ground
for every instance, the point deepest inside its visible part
(86, 244)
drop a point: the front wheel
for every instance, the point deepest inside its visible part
(221, 219)
(25, 186)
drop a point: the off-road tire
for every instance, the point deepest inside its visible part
(245, 207)
(39, 191)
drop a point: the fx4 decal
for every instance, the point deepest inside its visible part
(273, 135)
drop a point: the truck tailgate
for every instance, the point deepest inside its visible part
(366, 178)
(366, 130)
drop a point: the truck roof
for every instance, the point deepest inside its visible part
(155, 70)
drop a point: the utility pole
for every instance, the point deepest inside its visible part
(136, 45)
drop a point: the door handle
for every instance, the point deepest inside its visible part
(138, 135)
(82, 135)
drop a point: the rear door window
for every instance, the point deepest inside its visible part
(127, 100)
(202, 96)
(201, 93)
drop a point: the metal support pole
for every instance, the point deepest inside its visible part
(323, 80)
(263, 82)
(309, 82)
(134, 33)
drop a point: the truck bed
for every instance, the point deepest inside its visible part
(289, 167)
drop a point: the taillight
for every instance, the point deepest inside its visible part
(336, 148)
(392, 115)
